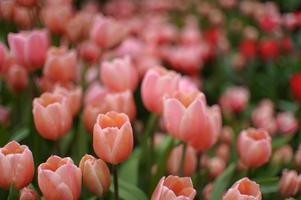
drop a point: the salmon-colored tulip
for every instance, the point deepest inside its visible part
(16, 165)
(29, 48)
(289, 183)
(61, 65)
(59, 178)
(174, 161)
(89, 51)
(287, 123)
(282, 155)
(17, 78)
(96, 174)
(73, 97)
(254, 147)
(244, 189)
(107, 32)
(52, 116)
(156, 84)
(188, 118)
(24, 17)
(28, 194)
(215, 166)
(174, 188)
(113, 137)
(110, 74)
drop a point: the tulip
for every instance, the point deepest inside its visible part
(3, 55)
(289, 183)
(110, 75)
(17, 78)
(107, 32)
(156, 84)
(29, 48)
(7, 9)
(52, 116)
(4, 115)
(216, 166)
(254, 147)
(227, 135)
(16, 165)
(89, 51)
(29, 3)
(28, 194)
(287, 123)
(61, 65)
(269, 49)
(173, 163)
(207, 191)
(244, 189)
(282, 155)
(23, 17)
(188, 118)
(113, 137)
(174, 188)
(295, 84)
(73, 97)
(96, 174)
(223, 151)
(234, 99)
(59, 178)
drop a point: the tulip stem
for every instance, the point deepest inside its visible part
(182, 162)
(115, 179)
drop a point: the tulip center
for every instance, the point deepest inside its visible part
(247, 188)
(112, 121)
(186, 98)
(257, 135)
(15, 150)
(48, 99)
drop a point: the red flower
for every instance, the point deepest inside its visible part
(269, 49)
(295, 83)
(248, 49)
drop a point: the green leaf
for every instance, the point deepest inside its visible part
(280, 141)
(129, 170)
(13, 193)
(222, 182)
(128, 191)
(20, 134)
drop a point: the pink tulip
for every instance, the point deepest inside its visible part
(29, 48)
(16, 165)
(52, 116)
(59, 178)
(244, 189)
(61, 65)
(28, 194)
(215, 166)
(3, 55)
(254, 147)
(174, 188)
(188, 118)
(287, 123)
(158, 83)
(4, 115)
(89, 51)
(174, 161)
(107, 32)
(113, 137)
(110, 74)
(234, 99)
(96, 174)
(17, 78)
(289, 183)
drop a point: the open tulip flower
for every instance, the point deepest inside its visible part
(152, 99)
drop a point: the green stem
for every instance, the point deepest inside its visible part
(182, 162)
(13, 193)
(115, 179)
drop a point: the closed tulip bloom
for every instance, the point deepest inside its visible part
(244, 189)
(89, 51)
(156, 84)
(188, 118)
(289, 183)
(28, 194)
(174, 161)
(17, 78)
(207, 191)
(29, 48)
(96, 175)
(254, 147)
(107, 32)
(16, 165)
(110, 74)
(61, 65)
(223, 151)
(287, 123)
(295, 85)
(282, 155)
(4, 116)
(59, 178)
(174, 188)
(234, 99)
(113, 137)
(52, 116)
(216, 166)
(73, 97)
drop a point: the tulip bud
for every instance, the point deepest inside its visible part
(52, 116)
(96, 175)
(113, 137)
(16, 165)
(287, 123)
(289, 183)
(254, 147)
(207, 191)
(223, 152)
(174, 161)
(216, 166)
(59, 178)
(4, 115)
(295, 84)
(283, 155)
(28, 194)
(17, 78)
(227, 135)
(243, 189)
(174, 187)
(89, 51)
